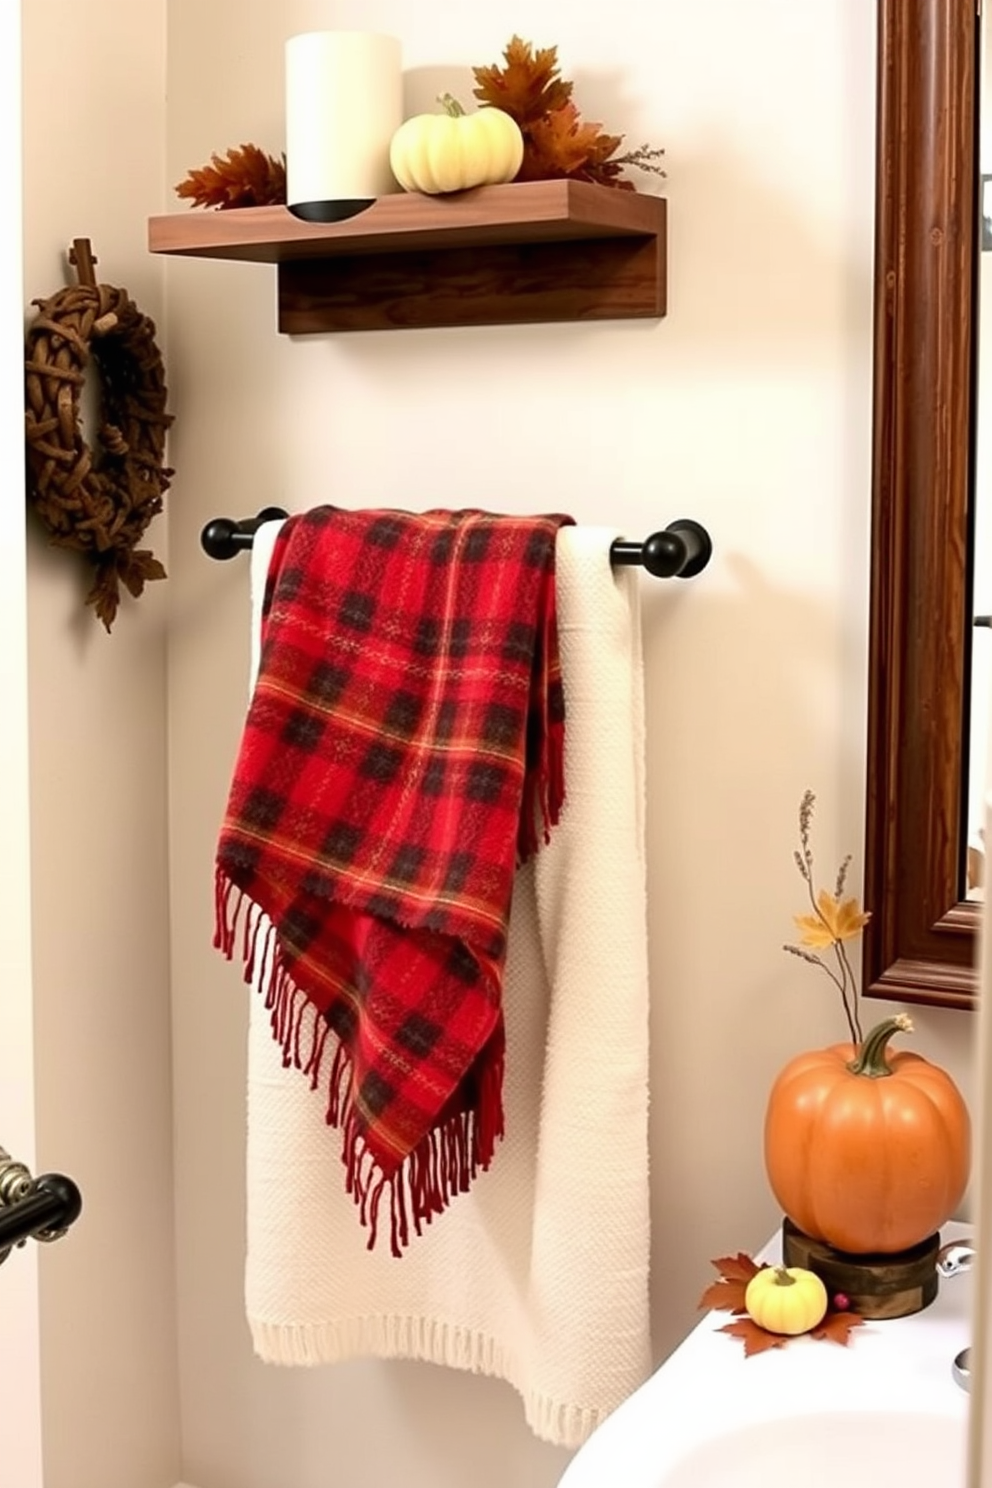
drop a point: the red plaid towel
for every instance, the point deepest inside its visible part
(402, 752)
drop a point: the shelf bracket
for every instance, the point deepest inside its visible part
(498, 284)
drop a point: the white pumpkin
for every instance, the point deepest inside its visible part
(452, 151)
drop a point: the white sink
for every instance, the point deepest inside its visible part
(812, 1414)
(854, 1449)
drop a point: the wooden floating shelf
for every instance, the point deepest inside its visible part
(521, 253)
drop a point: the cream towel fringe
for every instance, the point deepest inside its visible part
(427, 1339)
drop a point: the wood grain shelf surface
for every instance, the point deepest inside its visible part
(523, 252)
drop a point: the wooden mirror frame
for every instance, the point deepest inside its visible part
(920, 945)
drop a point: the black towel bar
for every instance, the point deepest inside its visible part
(41, 1207)
(681, 550)
(45, 1213)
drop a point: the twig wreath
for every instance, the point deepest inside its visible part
(97, 503)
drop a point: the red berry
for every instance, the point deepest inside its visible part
(841, 1302)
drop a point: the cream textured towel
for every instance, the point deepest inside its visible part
(539, 1274)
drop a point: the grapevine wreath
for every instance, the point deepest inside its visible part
(97, 503)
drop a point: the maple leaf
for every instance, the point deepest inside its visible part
(137, 568)
(561, 144)
(737, 1268)
(756, 1340)
(246, 177)
(528, 87)
(727, 1294)
(599, 168)
(835, 920)
(836, 1327)
(105, 598)
(558, 144)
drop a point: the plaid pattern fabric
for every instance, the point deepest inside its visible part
(403, 751)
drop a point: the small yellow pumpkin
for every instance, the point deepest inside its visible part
(453, 151)
(786, 1299)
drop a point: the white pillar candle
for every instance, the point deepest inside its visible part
(344, 102)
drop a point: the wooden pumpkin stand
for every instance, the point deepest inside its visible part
(877, 1286)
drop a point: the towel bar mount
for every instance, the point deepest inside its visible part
(681, 550)
(39, 1208)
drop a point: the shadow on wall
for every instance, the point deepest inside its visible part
(754, 683)
(481, 1420)
(471, 1424)
(752, 285)
(423, 85)
(738, 689)
(747, 268)
(67, 578)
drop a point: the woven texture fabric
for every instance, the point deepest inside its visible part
(402, 753)
(538, 1275)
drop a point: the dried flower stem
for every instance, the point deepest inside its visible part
(842, 876)
(840, 982)
(848, 975)
(843, 978)
(644, 158)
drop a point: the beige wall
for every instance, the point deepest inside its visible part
(94, 116)
(747, 408)
(20, 1380)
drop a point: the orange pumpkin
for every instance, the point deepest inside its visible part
(867, 1148)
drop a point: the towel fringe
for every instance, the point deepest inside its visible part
(409, 1336)
(446, 1160)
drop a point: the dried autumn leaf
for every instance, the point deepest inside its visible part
(727, 1294)
(836, 1327)
(105, 599)
(560, 144)
(608, 174)
(557, 145)
(837, 920)
(527, 87)
(737, 1268)
(756, 1340)
(137, 569)
(600, 168)
(246, 177)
